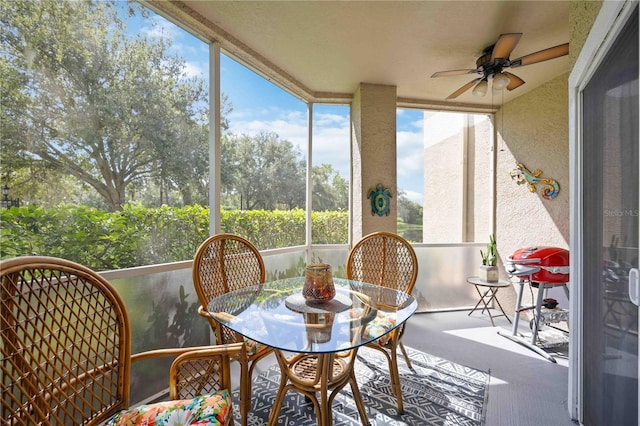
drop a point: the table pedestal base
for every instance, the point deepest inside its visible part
(310, 374)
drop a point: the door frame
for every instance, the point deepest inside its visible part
(609, 23)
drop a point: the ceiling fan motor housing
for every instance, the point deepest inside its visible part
(491, 67)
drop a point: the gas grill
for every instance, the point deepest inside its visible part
(541, 268)
(552, 264)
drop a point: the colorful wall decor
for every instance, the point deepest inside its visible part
(380, 200)
(522, 175)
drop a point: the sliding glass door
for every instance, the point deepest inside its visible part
(610, 208)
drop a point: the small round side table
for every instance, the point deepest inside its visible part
(488, 296)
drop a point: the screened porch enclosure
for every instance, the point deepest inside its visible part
(163, 304)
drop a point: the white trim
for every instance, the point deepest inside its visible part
(610, 21)
(215, 138)
(309, 186)
(146, 270)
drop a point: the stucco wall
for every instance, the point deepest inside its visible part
(582, 14)
(373, 150)
(533, 129)
(457, 179)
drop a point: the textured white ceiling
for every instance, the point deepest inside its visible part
(324, 49)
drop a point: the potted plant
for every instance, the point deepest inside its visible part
(489, 268)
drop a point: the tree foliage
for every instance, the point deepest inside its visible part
(94, 115)
(84, 99)
(267, 172)
(409, 211)
(330, 190)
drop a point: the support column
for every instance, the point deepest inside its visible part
(373, 157)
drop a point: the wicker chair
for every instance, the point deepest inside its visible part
(307, 374)
(388, 260)
(223, 263)
(66, 350)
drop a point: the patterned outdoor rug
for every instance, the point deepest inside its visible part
(437, 392)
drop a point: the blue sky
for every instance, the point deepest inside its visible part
(259, 105)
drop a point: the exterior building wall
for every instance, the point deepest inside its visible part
(480, 180)
(457, 178)
(443, 182)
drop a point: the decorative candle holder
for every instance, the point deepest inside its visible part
(318, 284)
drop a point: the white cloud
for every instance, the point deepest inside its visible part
(415, 196)
(331, 138)
(410, 163)
(192, 69)
(161, 28)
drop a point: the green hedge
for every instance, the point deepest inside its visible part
(140, 236)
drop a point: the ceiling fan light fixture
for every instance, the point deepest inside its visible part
(500, 81)
(494, 60)
(481, 88)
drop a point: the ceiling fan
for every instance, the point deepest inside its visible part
(495, 59)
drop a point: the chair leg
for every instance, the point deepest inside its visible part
(357, 397)
(395, 378)
(406, 356)
(245, 392)
(282, 390)
(277, 404)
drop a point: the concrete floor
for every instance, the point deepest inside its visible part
(525, 389)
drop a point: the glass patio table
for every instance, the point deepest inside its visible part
(275, 314)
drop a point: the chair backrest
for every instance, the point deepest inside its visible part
(226, 262)
(65, 344)
(384, 259)
(223, 263)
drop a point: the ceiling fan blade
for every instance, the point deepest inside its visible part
(464, 88)
(542, 55)
(454, 72)
(505, 45)
(514, 81)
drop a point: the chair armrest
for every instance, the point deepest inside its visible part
(230, 349)
(202, 371)
(196, 370)
(222, 316)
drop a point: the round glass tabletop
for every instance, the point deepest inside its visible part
(276, 314)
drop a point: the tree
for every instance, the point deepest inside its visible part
(82, 98)
(409, 211)
(330, 190)
(265, 171)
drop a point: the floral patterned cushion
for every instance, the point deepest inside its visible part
(251, 346)
(207, 410)
(382, 324)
